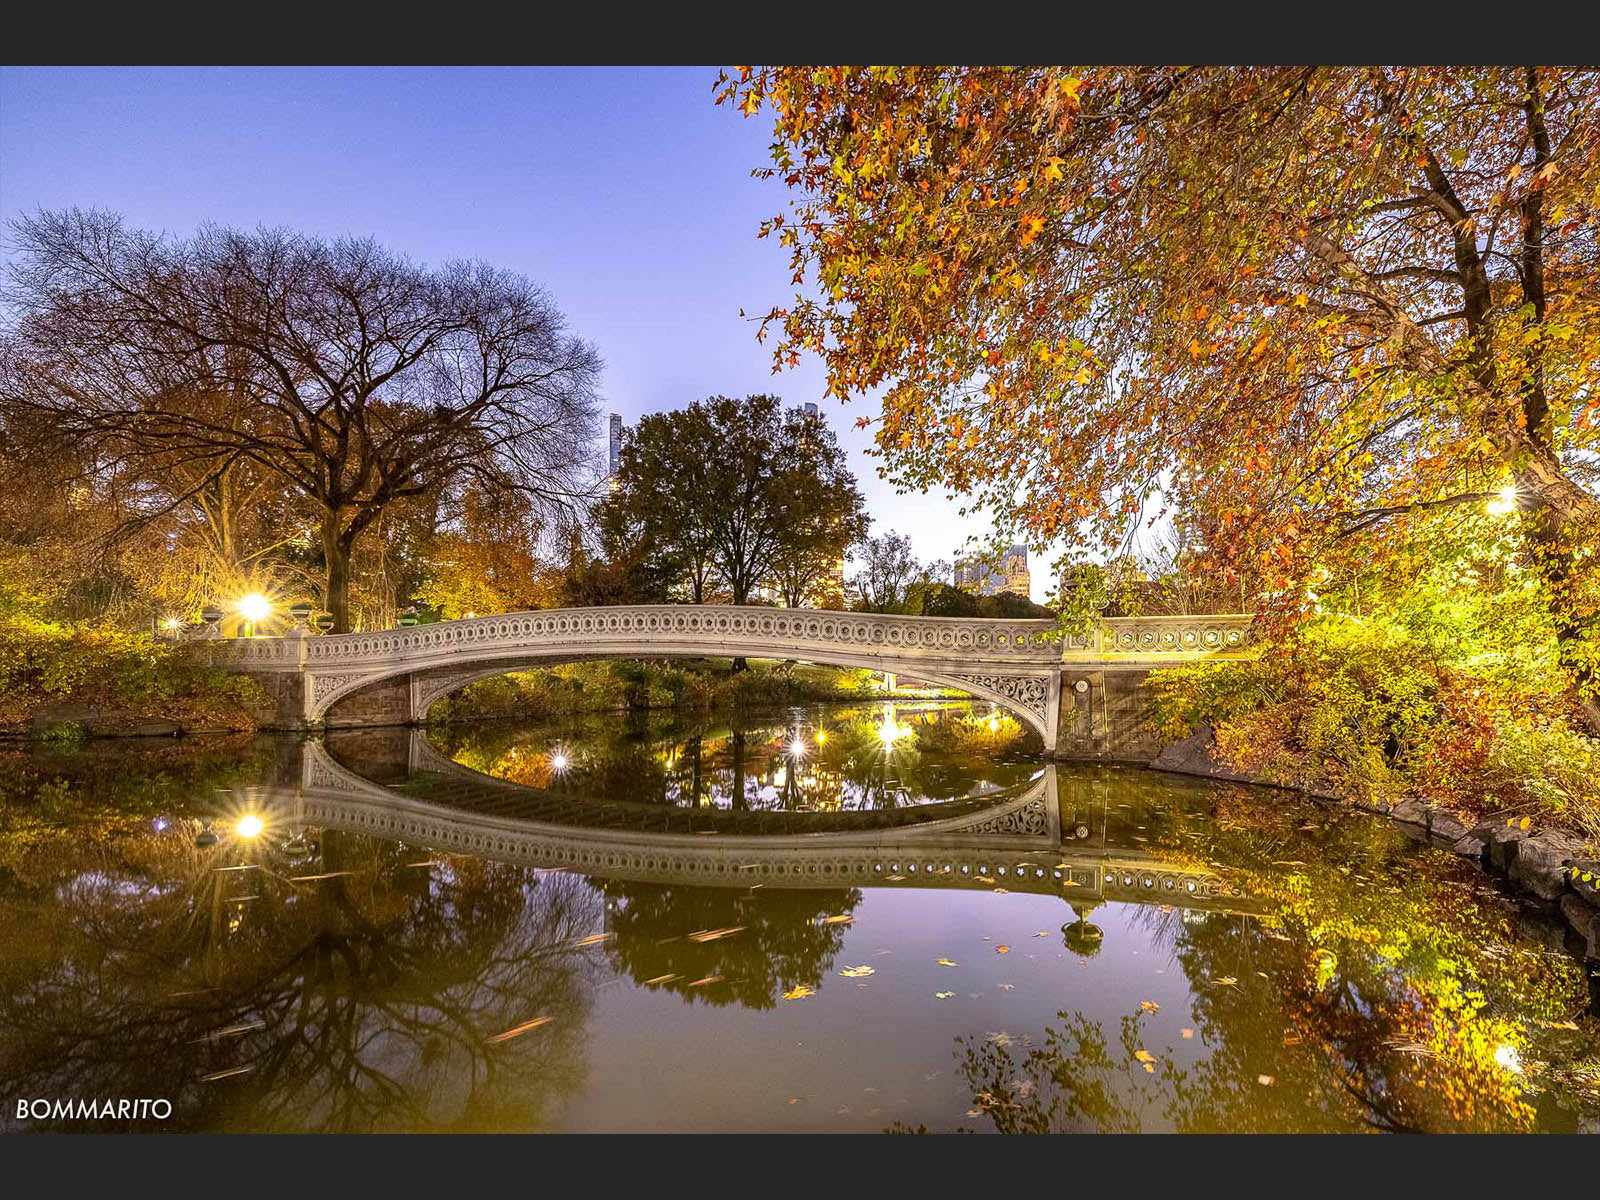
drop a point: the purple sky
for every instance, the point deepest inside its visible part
(625, 191)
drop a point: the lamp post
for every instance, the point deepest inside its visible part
(254, 608)
(210, 622)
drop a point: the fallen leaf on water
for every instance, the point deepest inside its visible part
(1007, 987)
(1264, 1080)
(799, 992)
(985, 879)
(840, 919)
(945, 962)
(1225, 981)
(895, 878)
(794, 1099)
(856, 972)
(231, 1030)
(521, 1029)
(1002, 949)
(1001, 1039)
(1000, 892)
(706, 980)
(1149, 1068)
(1186, 1033)
(711, 935)
(1149, 1006)
(1041, 933)
(593, 939)
(943, 995)
(662, 979)
(215, 1075)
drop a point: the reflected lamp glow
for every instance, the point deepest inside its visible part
(248, 826)
(889, 732)
(559, 762)
(1506, 1056)
(797, 748)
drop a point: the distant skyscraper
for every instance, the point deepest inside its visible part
(1012, 575)
(614, 462)
(811, 407)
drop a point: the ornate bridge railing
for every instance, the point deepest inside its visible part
(1017, 663)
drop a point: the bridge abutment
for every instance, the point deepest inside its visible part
(1105, 717)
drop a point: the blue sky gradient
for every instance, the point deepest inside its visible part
(624, 191)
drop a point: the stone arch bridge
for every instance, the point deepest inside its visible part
(1079, 692)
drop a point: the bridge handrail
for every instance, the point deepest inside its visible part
(1023, 641)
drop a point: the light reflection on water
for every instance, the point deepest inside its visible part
(1326, 975)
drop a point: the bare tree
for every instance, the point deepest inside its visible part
(357, 376)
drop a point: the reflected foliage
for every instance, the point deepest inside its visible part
(813, 759)
(781, 939)
(304, 980)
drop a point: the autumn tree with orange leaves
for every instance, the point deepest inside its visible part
(1312, 310)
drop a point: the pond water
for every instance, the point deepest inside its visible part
(828, 919)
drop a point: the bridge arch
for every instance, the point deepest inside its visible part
(1017, 664)
(1028, 697)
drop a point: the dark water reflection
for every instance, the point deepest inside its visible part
(338, 971)
(825, 759)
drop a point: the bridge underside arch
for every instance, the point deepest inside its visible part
(408, 691)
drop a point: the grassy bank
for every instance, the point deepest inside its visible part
(64, 681)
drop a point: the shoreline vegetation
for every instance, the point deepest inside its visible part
(628, 685)
(64, 682)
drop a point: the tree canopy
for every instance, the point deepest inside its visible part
(1313, 311)
(355, 377)
(739, 492)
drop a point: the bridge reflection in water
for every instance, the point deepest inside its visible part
(1055, 834)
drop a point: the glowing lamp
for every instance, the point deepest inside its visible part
(255, 607)
(249, 826)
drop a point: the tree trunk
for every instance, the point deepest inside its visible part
(738, 800)
(1553, 558)
(336, 552)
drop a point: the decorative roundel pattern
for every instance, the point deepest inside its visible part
(787, 628)
(783, 631)
(789, 866)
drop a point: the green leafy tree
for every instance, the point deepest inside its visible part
(738, 492)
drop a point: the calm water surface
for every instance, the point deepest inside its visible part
(843, 919)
